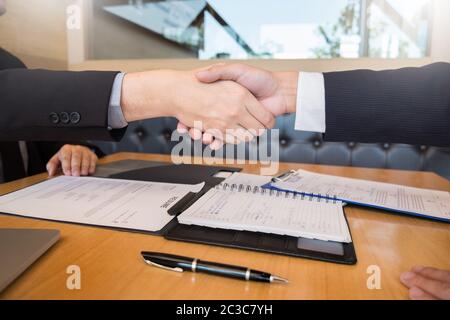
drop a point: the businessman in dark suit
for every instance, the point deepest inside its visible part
(410, 105)
(19, 159)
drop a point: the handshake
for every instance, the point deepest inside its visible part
(225, 103)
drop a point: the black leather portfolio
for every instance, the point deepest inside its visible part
(330, 251)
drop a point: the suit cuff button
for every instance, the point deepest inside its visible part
(54, 118)
(64, 116)
(75, 117)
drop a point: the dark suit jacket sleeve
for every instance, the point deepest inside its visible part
(29, 97)
(410, 105)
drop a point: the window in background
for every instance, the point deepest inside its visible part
(288, 29)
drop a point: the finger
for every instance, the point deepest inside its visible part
(230, 138)
(249, 122)
(212, 134)
(195, 133)
(242, 134)
(416, 293)
(264, 119)
(432, 273)
(182, 128)
(208, 138)
(65, 156)
(76, 162)
(216, 144)
(221, 72)
(53, 165)
(86, 162)
(93, 164)
(439, 289)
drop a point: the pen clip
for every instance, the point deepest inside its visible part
(176, 269)
(282, 176)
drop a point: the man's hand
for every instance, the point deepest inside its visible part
(218, 106)
(270, 88)
(73, 161)
(426, 283)
(277, 92)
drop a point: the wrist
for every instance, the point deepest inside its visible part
(146, 95)
(288, 82)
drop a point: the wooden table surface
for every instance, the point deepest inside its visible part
(111, 266)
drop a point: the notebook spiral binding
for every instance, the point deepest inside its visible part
(276, 193)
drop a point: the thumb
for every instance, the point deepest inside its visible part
(221, 72)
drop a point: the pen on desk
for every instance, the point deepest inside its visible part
(179, 264)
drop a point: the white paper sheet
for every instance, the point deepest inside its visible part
(385, 195)
(117, 203)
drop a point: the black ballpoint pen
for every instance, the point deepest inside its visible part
(179, 264)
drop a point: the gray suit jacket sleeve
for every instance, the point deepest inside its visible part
(410, 105)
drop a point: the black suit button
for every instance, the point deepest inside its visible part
(75, 117)
(64, 116)
(54, 118)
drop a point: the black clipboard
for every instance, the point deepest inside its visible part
(336, 252)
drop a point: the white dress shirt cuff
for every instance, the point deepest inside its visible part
(116, 120)
(310, 115)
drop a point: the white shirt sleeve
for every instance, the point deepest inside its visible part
(310, 115)
(116, 120)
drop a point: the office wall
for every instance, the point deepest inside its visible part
(35, 31)
(440, 44)
(111, 37)
(323, 65)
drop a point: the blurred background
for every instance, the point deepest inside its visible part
(309, 35)
(270, 29)
(226, 29)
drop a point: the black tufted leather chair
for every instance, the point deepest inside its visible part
(154, 136)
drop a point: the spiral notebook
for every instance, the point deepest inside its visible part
(252, 208)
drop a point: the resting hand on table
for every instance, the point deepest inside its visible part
(72, 161)
(275, 91)
(426, 283)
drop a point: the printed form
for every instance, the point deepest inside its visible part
(128, 204)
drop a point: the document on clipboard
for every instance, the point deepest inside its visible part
(118, 203)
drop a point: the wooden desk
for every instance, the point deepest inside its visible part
(111, 266)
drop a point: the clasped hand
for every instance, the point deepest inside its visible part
(224, 110)
(269, 92)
